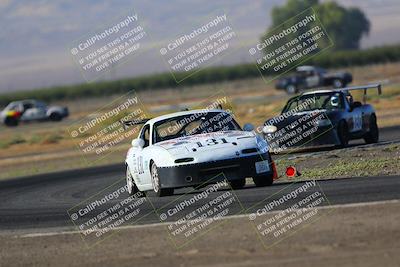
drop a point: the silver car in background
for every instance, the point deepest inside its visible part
(31, 110)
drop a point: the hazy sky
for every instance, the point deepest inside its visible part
(35, 35)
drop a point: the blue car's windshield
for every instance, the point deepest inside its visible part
(329, 100)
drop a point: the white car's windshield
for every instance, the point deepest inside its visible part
(191, 124)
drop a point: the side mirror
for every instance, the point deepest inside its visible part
(138, 142)
(248, 127)
(269, 129)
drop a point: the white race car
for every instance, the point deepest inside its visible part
(192, 149)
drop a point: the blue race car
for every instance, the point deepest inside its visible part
(325, 117)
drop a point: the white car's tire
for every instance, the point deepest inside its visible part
(155, 180)
(130, 183)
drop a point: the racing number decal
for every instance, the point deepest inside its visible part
(212, 142)
(140, 165)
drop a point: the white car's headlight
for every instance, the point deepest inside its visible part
(269, 129)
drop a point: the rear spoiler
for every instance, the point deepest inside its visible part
(126, 124)
(363, 87)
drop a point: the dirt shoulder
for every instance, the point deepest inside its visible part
(357, 161)
(365, 235)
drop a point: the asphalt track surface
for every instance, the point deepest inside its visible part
(42, 201)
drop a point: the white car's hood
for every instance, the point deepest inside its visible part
(213, 146)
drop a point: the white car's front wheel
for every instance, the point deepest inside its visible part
(155, 180)
(130, 183)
